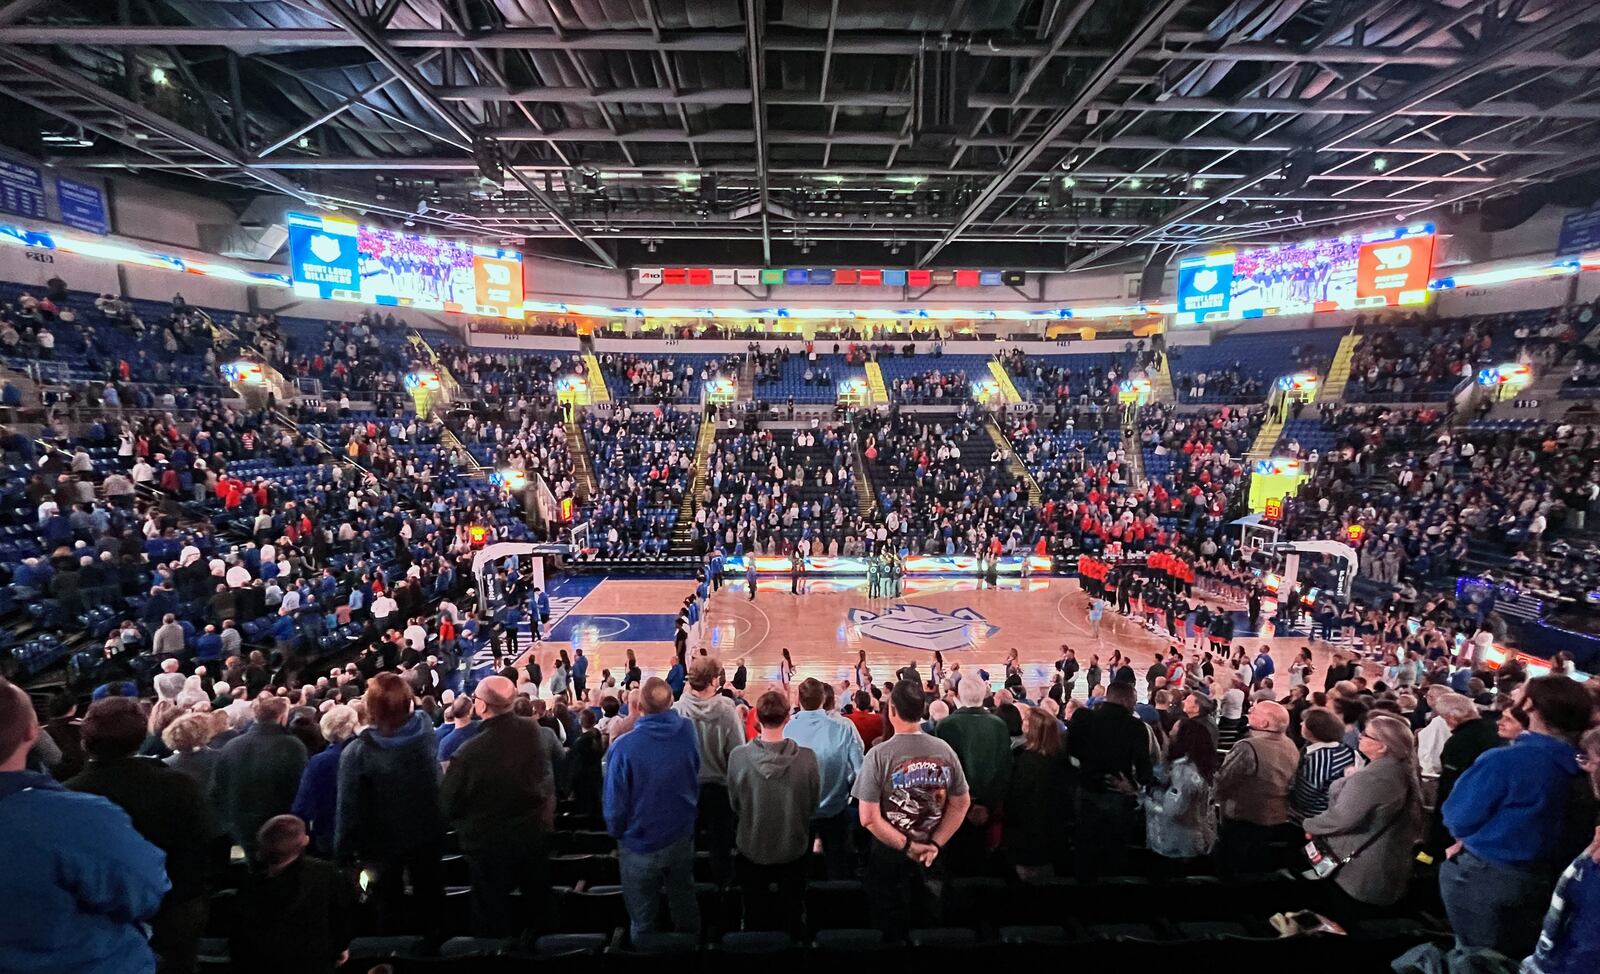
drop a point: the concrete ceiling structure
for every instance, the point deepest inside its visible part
(1041, 134)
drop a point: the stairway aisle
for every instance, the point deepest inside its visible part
(747, 380)
(1008, 389)
(681, 545)
(1266, 440)
(451, 441)
(582, 463)
(1339, 372)
(1161, 389)
(597, 380)
(1135, 453)
(878, 392)
(866, 495)
(1014, 464)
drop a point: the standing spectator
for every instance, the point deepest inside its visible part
(78, 889)
(867, 721)
(983, 746)
(316, 802)
(1181, 818)
(580, 671)
(1471, 734)
(387, 815)
(167, 808)
(1569, 943)
(838, 749)
(257, 773)
(913, 797)
(774, 786)
(295, 913)
(1253, 787)
(650, 802)
(498, 796)
(1038, 799)
(718, 731)
(1112, 747)
(1516, 821)
(1325, 760)
(1374, 816)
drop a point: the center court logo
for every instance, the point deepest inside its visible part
(919, 627)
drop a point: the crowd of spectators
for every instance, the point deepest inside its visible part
(1199, 762)
(777, 491)
(1426, 498)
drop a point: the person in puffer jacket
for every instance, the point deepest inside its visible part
(388, 818)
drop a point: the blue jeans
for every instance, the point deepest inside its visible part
(648, 875)
(1495, 905)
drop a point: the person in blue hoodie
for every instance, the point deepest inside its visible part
(78, 881)
(388, 817)
(651, 799)
(1518, 819)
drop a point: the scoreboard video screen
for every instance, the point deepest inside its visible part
(341, 260)
(1387, 268)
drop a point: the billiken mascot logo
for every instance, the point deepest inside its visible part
(919, 627)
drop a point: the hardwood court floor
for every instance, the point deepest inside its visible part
(833, 619)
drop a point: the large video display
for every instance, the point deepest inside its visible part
(341, 260)
(1387, 268)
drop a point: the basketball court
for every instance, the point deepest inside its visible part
(833, 619)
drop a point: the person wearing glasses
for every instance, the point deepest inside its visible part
(1374, 816)
(1518, 818)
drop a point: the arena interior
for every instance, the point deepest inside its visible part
(1101, 481)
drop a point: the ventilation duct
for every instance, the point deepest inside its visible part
(259, 233)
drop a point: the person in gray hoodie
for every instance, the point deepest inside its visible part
(774, 786)
(718, 730)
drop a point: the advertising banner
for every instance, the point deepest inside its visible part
(1394, 272)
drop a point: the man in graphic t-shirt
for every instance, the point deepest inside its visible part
(913, 797)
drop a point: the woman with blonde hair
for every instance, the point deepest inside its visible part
(163, 713)
(187, 737)
(317, 799)
(1374, 817)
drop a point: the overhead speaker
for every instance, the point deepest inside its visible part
(1151, 280)
(1302, 166)
(486, 155)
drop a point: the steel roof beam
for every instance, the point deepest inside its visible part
(264, 40)
(758, 116)
(1134, 142)
(667, 170)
